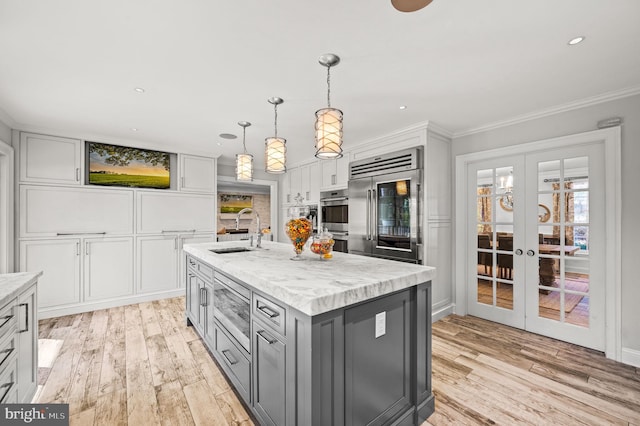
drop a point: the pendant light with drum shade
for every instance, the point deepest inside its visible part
(275, 147)
(244, 161)
(329, 120)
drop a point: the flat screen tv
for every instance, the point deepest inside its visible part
(115, 165)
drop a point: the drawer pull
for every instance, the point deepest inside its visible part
(266, 337)
(8, 353)
(26, 318)
(230, 359)
(9, 387)
(268, 311)
(5, 320)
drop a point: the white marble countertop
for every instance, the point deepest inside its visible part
(312, 286)
(12, 284)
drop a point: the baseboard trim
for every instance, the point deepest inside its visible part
(630, 357)
(441, 312)
(58, 311)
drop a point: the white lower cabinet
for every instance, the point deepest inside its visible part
(161, 261)
(79, 269)
(60, 259)
(108, 267)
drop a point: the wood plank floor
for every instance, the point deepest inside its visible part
(141, 365)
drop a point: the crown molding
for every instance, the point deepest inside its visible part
(582, 103)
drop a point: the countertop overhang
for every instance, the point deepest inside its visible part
(12, 284)
(312, 286)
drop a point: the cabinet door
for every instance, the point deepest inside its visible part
(27, 344)
(285, 189)
(310, 186)
(328, 173)
(175, 213)
(108, 267)
(49, 211)
(198, 174)
(193, 297)
(269, 396)
(59, 259)
(295, 183)
(342, 171)
(158, 263)
(49, 159)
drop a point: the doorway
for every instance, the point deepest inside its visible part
(535, 247)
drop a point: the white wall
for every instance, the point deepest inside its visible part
(577, 121)
(5, 133)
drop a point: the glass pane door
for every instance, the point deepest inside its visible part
(394, 215)
(496, 292)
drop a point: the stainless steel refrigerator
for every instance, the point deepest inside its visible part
(385, 199)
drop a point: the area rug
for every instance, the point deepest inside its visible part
(547, 301)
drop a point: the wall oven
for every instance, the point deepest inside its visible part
(232, 307)
(334, 207)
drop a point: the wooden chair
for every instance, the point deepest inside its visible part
(505, 261)
(486, 259)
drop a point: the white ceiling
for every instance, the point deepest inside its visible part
(69, 67)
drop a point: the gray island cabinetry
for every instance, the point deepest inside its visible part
(340, 342)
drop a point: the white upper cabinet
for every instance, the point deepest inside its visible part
(175, 213)
(198, 174)
(310, 182)
(335, 173)
(50, 159)
(47, 211)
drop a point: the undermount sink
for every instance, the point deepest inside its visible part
(225, 250)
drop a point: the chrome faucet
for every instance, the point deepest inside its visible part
(245, 210)
(259, 231)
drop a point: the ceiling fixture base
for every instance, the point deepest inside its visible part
(329, 60)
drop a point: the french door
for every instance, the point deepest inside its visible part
(536, 242)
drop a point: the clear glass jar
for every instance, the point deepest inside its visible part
(323, 244)
(298, 228)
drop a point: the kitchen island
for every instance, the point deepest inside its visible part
(345, 341)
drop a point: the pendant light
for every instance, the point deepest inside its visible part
(244, 161)
(329, 120)
(275, 147)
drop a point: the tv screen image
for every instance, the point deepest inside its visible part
(115, 165)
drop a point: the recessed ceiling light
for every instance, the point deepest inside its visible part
(139, 89)
(219, 143)
(403, 107)
(134, 129)
(227, 136)
(576, 40)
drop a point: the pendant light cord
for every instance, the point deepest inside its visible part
(244, 146)
(329, 86)
(275, 121)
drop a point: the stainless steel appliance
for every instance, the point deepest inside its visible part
(232, 307)
(385, 200)
(335, 217)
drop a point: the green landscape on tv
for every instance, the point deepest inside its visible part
(114, 165)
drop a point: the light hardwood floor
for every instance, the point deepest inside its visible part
(141, 365)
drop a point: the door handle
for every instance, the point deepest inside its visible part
(519, 252)
(368, 215)
(530, 252)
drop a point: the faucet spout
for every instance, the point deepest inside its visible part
(240, 213)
